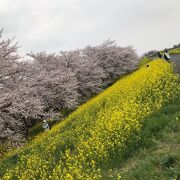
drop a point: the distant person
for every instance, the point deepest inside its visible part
(159, 55)
(45, 125)
(167, 57)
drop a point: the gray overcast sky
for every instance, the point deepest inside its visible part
(54, 25)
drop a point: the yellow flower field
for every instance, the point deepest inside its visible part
(97, 134)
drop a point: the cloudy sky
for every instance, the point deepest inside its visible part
(54, 25)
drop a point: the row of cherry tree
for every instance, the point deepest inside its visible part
(33, 90)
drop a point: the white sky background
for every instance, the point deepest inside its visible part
(55, 25)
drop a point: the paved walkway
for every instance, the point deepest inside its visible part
(176, 59)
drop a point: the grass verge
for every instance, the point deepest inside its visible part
(157, 154)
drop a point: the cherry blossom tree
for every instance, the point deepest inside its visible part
(19, 102)
(31, 91)
(55, 83)
(114, 60)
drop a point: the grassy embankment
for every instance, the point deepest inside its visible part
(157, 155)
(175, 51)
(94, 141)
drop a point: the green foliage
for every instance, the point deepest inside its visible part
(175, 51)
(168, 161)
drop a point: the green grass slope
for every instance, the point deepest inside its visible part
(157, 154)
(95, 141)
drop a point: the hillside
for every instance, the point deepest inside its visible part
(157, 155)
(100, 135)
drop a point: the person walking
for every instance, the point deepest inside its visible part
(159, 54)
(167, 57)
